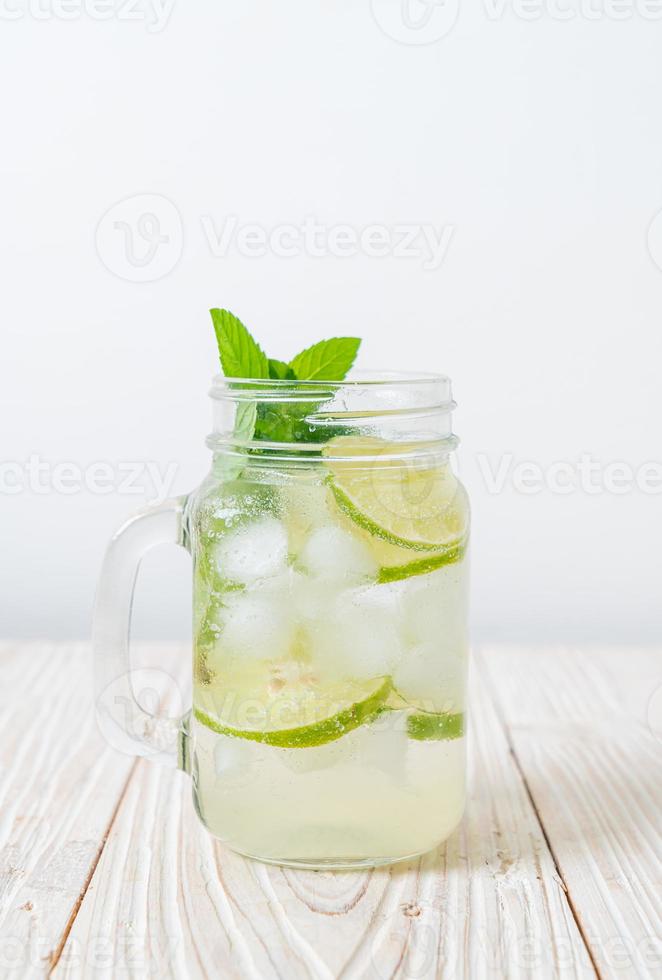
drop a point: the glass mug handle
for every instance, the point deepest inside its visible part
(126, 724)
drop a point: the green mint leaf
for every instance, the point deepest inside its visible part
(241, 356)
(277, 423)
(244, 423)
(280, 371)
(329, 360)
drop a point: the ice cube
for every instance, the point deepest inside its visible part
(252, 552)
(305, 507)
(434, 607)
(358, 636)
(238, 763)
(431, 677)
(231, 755)
(315, 757)
(384, 744)
(256, 625)
(310, 598)
(385, 599)
(304, 598)
(332, 554)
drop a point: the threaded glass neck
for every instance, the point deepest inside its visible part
(410, 413)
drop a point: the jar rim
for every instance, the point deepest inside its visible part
(359, 379)
(284, 414)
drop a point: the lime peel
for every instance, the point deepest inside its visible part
(428, 726)
(307, 736)
(394, 573)
(367, 524)
(419, 508)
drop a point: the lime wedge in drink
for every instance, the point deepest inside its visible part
(398, 507)
(395, 573)
(425, 726)
(411, 504)
(288, 707)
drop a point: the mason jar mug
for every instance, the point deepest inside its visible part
(329, 545)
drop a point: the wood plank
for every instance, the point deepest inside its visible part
(167, 901)
(580, 724)
(59, 787)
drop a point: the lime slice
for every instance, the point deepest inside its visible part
(394, 573)
(289, 711)
(408, 501)
(429, 726)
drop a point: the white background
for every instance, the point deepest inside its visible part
(537, 139)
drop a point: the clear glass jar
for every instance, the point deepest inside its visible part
(329, 546)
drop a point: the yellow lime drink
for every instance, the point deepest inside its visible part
(328, 723)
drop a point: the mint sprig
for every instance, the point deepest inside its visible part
(242, 357)
(328, 360)
(280, 371)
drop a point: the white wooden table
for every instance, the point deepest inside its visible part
(105, 872)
